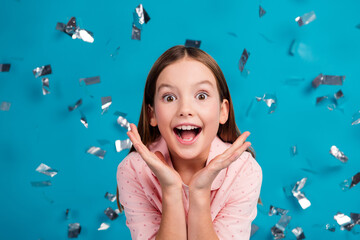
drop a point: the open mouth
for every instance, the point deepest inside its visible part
(187, 133)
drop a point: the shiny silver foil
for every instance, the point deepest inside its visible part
(41, 183)
(75, 31)
(192, 43)
(112, 215)
(303, 201)
(299, 233)
(84, 121)
(103, 226)
(278, 231)
(243, 59)
(97, 152)
(110, 197)
(270, 100)
(344, 221)
(122, 121)
(351, 182)
(5, 67)
(45, 86)
(261, 11)
(356, 118)
(338, 154)
(74, 230)
(45, 169)
(105, 103)
(90, 80)
(136, 33)
(277, 211)
(122, 144)
(254, 229)
(327, 80)
(76, 105)
(5, 106)
(355, 218)
(306, 18)
(42, 71)
(140, 16)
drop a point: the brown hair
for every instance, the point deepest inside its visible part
(227, 132)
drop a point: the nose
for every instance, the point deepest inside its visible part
(185, 108)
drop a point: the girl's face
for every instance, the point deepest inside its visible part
(187, 108)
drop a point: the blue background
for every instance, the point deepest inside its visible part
(40, 129)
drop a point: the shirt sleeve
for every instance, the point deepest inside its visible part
(142, 218)
(234, 219)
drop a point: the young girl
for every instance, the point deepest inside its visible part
(190, 174)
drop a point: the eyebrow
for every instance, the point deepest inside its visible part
(199, 83)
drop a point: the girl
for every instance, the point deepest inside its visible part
(190, 174)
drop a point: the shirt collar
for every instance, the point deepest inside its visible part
(217, 147)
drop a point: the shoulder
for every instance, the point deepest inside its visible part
(130, 163)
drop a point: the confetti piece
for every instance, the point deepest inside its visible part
(41, 183)
(299, 233)
(111, 213)
(122, 144)
(136, 33)
(277, 211)
(327, 80)
(192, 43)
(97, 152)
(5, 106)
(110, 197)
(356, 118)
(351, 182)
(105, 103)
(45, 169)
(42, 71)
(303, 201)
(261, 11)
(270, 100)
(90, 80)
(338, 154)
(84, 121)
(5, 67)
(293, 150)
(254, 229)
(76, 105)
(330, 227)
(344, 221)
(122, 121)
(244, 57)
(75, 31)
(278, 231)
(45, 86)
(103, 226)
(74, 230)
(306, 18)
(140, 16)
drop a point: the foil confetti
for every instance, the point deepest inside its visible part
(338, 154)
(5, 67)
(122, 144)
(136, 33)
(75, 31)
(90, 80)
(327, 80)
(122, 121)
(41, 183)
(351, 182)
(110, 197)
(76, 105)
(261, 12)
(277, 211)
(330, 227)
(306, 18)
(45, 86)
(278, 231)
(5, 106)
(103, 226)
(344, 221)
(97, 152)
(303, 201)
(192, 43)
(243, 59)
(74, 230)
(356, 118)
(42, 71)
(355, 218)
(105, 103)
(299, 233)
(45, 169)
(293, 150)
(254, 229)
(270, 100)
(112, 215)
(140, 16)
(84, 121)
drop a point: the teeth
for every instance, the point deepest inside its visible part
(186, 127)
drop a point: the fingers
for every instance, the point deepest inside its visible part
(237, 145)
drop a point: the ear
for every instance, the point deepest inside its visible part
(153, 121)
(224, 111)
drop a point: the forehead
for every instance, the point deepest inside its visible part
(186, 71)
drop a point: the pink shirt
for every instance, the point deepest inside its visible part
(234, 194)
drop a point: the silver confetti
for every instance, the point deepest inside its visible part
(277, 211)
(330, 227)
(5, 67)
(103, 226)
(303, 201)
(244, 57)
(112, 215)
(97, 152)
(41, 183)
(270, 100)
(105, 103)
(192, 43)
(356, 118)
(299, 233)
(351, 182)
(306, 18)
(293, 150)
(110, 197)
(344, 221)
(254, 229)
(136, 33)
(84, 121)
(140, 16)
(278, 231)
(74, 230)
(75, 31)
(355, 218)
(5, 106)
(122, 121)
(327, 80)
(90, 80)
(45, 86)
(45, 169)
(76, 105)
(41, 71)
(338, 154)
(261, 12)
(122, 144)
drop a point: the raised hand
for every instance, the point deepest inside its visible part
(168, 177)
(202, 180)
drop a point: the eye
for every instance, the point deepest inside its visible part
(169, 98)
(202, 96)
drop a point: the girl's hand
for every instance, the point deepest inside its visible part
(167, 176)
(202, 180)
